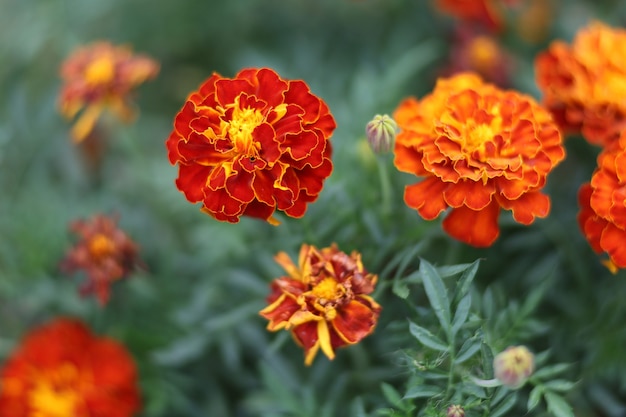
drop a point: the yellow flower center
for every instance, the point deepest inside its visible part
(240, 128)
(100, 71)
(56, 393)
(328, 290)
(101, 246)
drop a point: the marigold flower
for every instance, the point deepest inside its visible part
(101, 76)
(602, 216)
(487, 13)
(480, 149)
(104, 252)
(584, 84)
(62, 369)
(250, 145)
(324, 301)
(513, 366)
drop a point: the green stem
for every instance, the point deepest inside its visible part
(385, 185)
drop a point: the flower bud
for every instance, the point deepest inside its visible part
(455, 411)
(513, 366)
(381, 133)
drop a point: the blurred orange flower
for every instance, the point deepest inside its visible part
(104, 252)
(480, 149)
(61, 369)
(324, 301)
(250, 145)
(584, 84)
(487, 13)
(602, 216)
(101, 76)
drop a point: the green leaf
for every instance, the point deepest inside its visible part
(504, 406)
(450, 270)
(427, 338)
(535, 397)
(468, 349)
(391, 394)
(423, 391)
(548, 372)
(461, 313)
(560, 385)
(557, 405)
(437, 294)
(465, 282)
(400, 288)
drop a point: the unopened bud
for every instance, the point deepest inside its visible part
(381, 133)
(455, 411)
(514, 366)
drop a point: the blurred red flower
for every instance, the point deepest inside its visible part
(584, 84)
(480, 149)
(61, 369)
(104, 252)
(250, 145)
(324, 301)
(602, 216)
(486, 13)
(101, 76)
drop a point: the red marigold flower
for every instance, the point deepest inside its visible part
(480, 149)
(104, 252)
(101, 76)
(602, 216)
(62, 369)
(250, 145)
(487, 13)
(324, 301)
(584, 84)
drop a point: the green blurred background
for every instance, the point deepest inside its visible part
(191, 318)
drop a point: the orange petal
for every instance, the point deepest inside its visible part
(612, 241)
(86, 122)
(476, 228)
(427, 197)
(472, 194)
(354, 321)
(527, 207)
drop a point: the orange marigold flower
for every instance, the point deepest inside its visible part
(584, 84)
(101, 76)
(602, 216)
(480, 149)
(487, 13)
(61, 369)
(324, 301)
(250, 145)
(104, 252)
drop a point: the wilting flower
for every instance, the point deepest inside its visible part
(101, 76)
(104, 252)
(480, 149)
(513, 366)
(487, 13)
(584, 84)
(62, 369)
(455, 411)
(250, 145)
(602, 216)
(324, 301)
(381, 133)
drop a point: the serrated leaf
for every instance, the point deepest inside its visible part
(461, 313)
(423, 391)
(468, 349)
(466, 279)
(426, 338)
(437, 294)
(535, 397)
(504, 406)
(557, 405)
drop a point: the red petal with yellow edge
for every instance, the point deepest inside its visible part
(527, 207)
(476, 228)
(306, 336)
(612, 242)
(299, 93)
(354, 321)
(192, 181)
(468, 193)
(280, 311)
(220, 202)
(427, 197)
(259, 210)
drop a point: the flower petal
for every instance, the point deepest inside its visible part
(476, 228)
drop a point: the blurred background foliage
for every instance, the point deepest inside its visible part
(191, 317)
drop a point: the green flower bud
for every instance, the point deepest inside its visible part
(514, 366)
(455, 411)
(381, 133)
